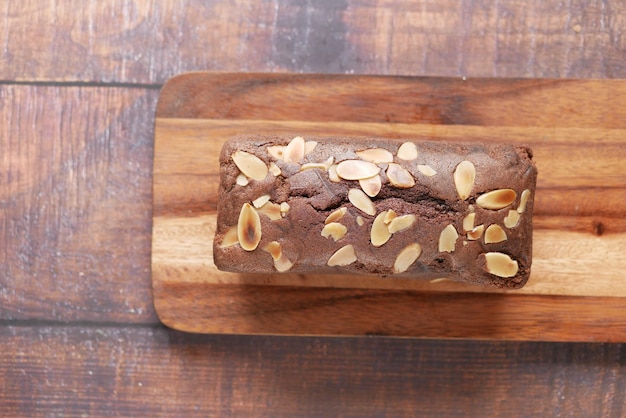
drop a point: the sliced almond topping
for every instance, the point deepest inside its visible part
(322, 166)
(309, 146)
(401, 223)
(390, 216)
(361, 201)
(282, 264)
(475, 233)
(276, 151)
(464, 176)
(379, 234)
(371, 186)
(250, 165)
(360, 221)
(447, 239)
(468, 222)
(494, 234)
(334, 230)
(275, 170)
(375, 155)
(399, 176)
(261, 200)
(501, 264)
(248, 228)
(407, 151)
(274, 248)
(512, 219)
(343, 256)
(523, 200)
(230, 237)
(426, 170)
(284, 208)
(356, 169)
(407, 257)
(336, 215)
(271, 210)
(332, 174)
(242, 180)
(496, 199)
(294, 151)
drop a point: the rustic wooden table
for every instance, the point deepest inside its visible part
(78, 90)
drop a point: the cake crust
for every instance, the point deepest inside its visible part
(393, 208)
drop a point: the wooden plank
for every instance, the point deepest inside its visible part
(406, 100)
(303, 310)
(148, 41)
(71, 371)
(75, 203)
(580, 206)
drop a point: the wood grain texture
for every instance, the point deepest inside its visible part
(578, 149)
(155, 372)
(149, 41)
(75, 203)
(88, 363)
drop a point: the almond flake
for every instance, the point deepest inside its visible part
(274, 248)
(342, 257)
(261, 200)
(334, 230)
(464, 176)
(390, 216)
(275, 170)
(407, 151)
(294, 151)
(501, 265)
(360, 221)
(356, 169)
(401, 223)
(336, 215)
(379, 234)
(399, 176)
(407, 257)
(468, 222)
(375, 155)
(309, 146)
(322, 166)
(248, 228)
(271, 210)
(523, 201)
(276, 151)
(496, 199)
(332, 174)
(284, 208)
(371, 186)
(242, 180)
(282, 264)
(447, 239)
(426, 170)
(476, 232)
(512, 219)
(250, 165)
(494, 234)
(230, 237)
(361, 201)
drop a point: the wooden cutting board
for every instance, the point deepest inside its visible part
(577, 129)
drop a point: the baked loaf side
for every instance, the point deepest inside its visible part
(420, 209)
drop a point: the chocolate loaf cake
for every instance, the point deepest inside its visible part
(419, 209)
